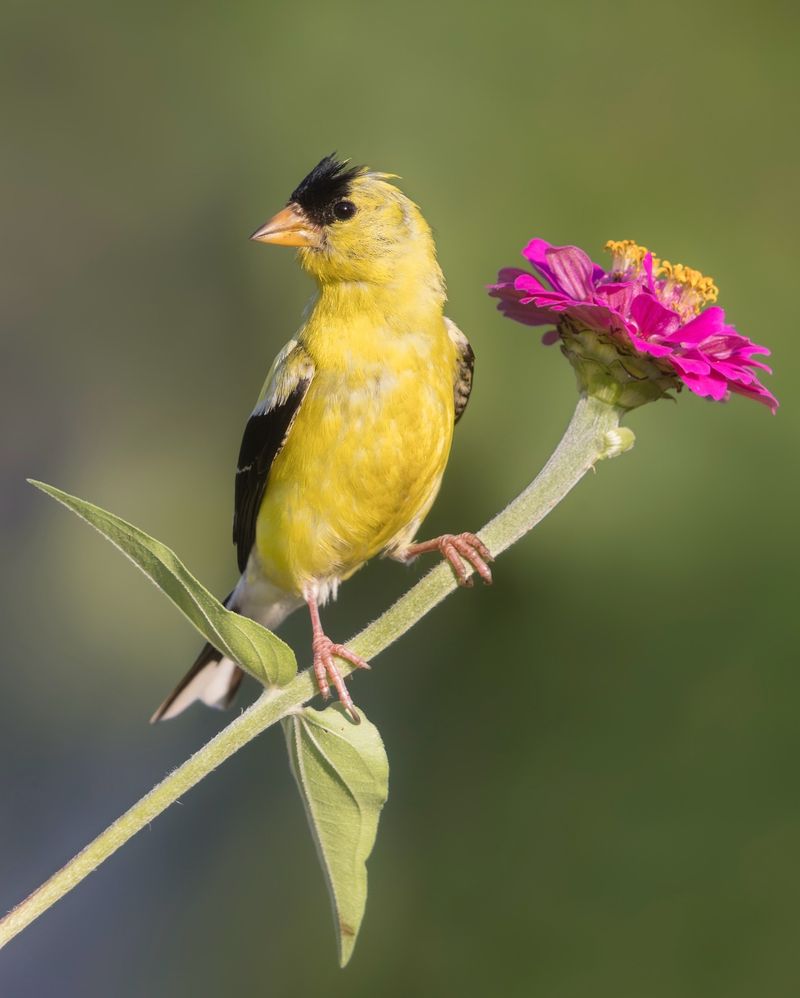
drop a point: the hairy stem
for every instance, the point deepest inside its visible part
(591, 435)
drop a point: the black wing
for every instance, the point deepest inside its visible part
(264, 436)
(465, 365)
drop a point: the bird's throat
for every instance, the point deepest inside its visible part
(410, 298)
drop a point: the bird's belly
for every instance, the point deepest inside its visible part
(362, 465)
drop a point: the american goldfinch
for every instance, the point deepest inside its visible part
(345, 450)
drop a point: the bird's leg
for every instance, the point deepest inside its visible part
(324, 667)
(454, 548)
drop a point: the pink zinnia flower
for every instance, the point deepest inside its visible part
(643, 307)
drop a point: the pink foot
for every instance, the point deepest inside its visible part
(327, 674)
(456, 549)
(325, 669)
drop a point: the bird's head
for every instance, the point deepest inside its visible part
(351, 224)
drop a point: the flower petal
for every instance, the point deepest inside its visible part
(536, 253)
(708, 323)
(645, 346)
(647, 265)
(689, 365)
(527, 282)
(653, 318)
(758, 393)
(710, 385)
(507, 276)
(513, 305)
(734, 372)
(572, 271)
(526, 314)
(758, 364)
(618, 295)
(597, 317)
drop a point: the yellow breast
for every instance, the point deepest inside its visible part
(365, 456)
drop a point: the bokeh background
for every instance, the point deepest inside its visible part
(594, 763)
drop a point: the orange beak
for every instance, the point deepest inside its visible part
(290, 227)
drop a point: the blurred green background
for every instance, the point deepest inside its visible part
(594, 763)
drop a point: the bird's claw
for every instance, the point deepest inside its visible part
(470, 548)
(456, 549)
(327, 674)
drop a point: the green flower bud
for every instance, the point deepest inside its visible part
(608, 371)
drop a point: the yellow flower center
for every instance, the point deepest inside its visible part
(626, 256)
(696, 284)
(680, 287)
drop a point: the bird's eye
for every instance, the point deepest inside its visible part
(344, 210)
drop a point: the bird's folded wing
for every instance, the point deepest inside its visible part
(465, 364)
(264, 436)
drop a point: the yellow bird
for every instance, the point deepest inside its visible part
(345, 450)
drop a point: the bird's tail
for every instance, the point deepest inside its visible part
(214, 678)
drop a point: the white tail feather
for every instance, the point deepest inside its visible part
(211, 685)
(214, 678)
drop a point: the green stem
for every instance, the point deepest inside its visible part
(591, 435)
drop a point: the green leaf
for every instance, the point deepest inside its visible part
(342, 773)
(255, 648)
